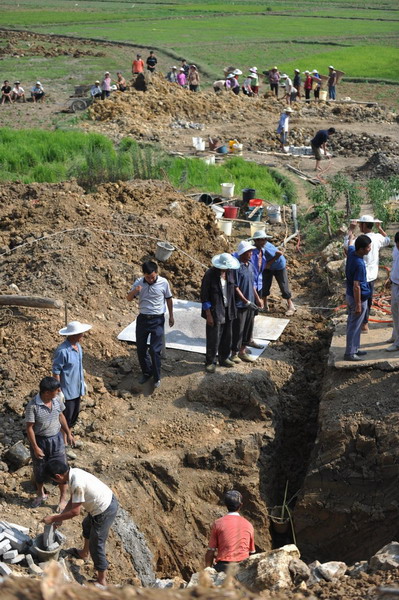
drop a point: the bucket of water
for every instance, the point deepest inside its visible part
(218, 210)
(227, 190)
(248, 194)
(274, 214)
(230, 212)
(323, 95)
(257, 226)
(225, 226)
(163, 251)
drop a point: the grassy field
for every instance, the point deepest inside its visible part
(216, 34)
(34, 155)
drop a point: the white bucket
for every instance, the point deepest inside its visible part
(201, 145)
(227, 190)
(163, 251)
(218, 210)
(256, 226)
(323, 95)
(209, 160)
(274, 214)
(225, 226)
(237, 149)
(195, 141)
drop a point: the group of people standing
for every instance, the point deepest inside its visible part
(361, 274)
(233, 291)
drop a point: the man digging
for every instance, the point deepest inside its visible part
(98, 500)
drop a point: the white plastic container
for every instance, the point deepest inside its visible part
(225, 226)
(227, 190)
(195, 141)
(274, 214)
(323, 95)
(209, 160)
(256, 226)
(218, 210)
(201, 145)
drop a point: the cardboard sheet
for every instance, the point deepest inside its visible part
(188, 332)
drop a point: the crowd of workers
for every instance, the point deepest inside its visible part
(17, 93)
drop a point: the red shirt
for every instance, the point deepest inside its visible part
(233, 538)
(138, 66)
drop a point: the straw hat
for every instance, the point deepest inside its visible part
(315, 71)
(368, 219)
(244, 247)
(38, 83)
(306, 72)
(260, 235)
(288, 109)
(284, 76)
(74, 328)
(331, 67)
(274, 69)
(297, 71)
(174, 67)
(182, 69)
(225, 261)
(230, 76)
(253, 70)
(97, 81)
(237, 72)
(17, 83)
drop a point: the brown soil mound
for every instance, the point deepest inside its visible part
(379, 165)
(145, 211)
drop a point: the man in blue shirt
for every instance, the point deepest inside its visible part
(247, 299)
(357, 293)
(68, 369)
(320, 141)
(153, 292)
(276, 267)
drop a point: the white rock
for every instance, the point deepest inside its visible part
(386, 559)
(208, 574)
(333, 570)
(268, 570)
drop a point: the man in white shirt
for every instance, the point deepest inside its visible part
(100, 503)
(394, 276)
(153, 292)
(378, 240)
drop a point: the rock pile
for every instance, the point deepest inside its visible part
(14, 541)
(380, 165)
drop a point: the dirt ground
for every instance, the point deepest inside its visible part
(169, 454)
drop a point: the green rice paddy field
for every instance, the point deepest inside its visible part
(362, 42)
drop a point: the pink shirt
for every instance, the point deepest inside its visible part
(181, 78)
(106, 84)
(233, 538)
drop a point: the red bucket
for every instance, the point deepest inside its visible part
(256, 202)
(230, 212)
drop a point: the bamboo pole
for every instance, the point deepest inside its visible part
(31, 301)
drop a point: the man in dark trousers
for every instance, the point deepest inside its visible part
(98, 500)
(151, 62)
(320, 141)
(357, 294)
(232, 536)
(153, 292)
(219, 309)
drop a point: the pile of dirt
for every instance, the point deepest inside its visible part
(347, 113)
(342, 143)
(13, 48)
(96, 231)
(380, 165)
(141, 113)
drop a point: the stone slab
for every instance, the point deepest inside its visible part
(374, 343)
(5, 545)
(5, 569)
(10, 554)
(188, 332)
(17, 559)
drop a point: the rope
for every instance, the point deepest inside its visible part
(86, 229)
